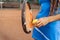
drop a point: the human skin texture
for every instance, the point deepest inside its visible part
(46, 20)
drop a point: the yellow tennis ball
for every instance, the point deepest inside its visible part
(34, 21)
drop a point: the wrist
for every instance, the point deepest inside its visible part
(53, 18)
(50, 19)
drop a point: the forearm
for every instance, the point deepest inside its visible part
(54, 18)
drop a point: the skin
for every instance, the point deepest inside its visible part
(46, 20)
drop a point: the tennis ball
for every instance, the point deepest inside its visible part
(34, 21)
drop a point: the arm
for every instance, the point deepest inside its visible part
(46, 20)
(54, 18)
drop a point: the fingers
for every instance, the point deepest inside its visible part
(39, 24)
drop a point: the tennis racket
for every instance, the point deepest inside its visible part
(26, 17)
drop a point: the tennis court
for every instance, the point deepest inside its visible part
(10, 25)
(10, 22)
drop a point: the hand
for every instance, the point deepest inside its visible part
(46, 20)
(42, 21)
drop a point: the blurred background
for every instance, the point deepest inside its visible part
(10, 19)
(16, 3)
